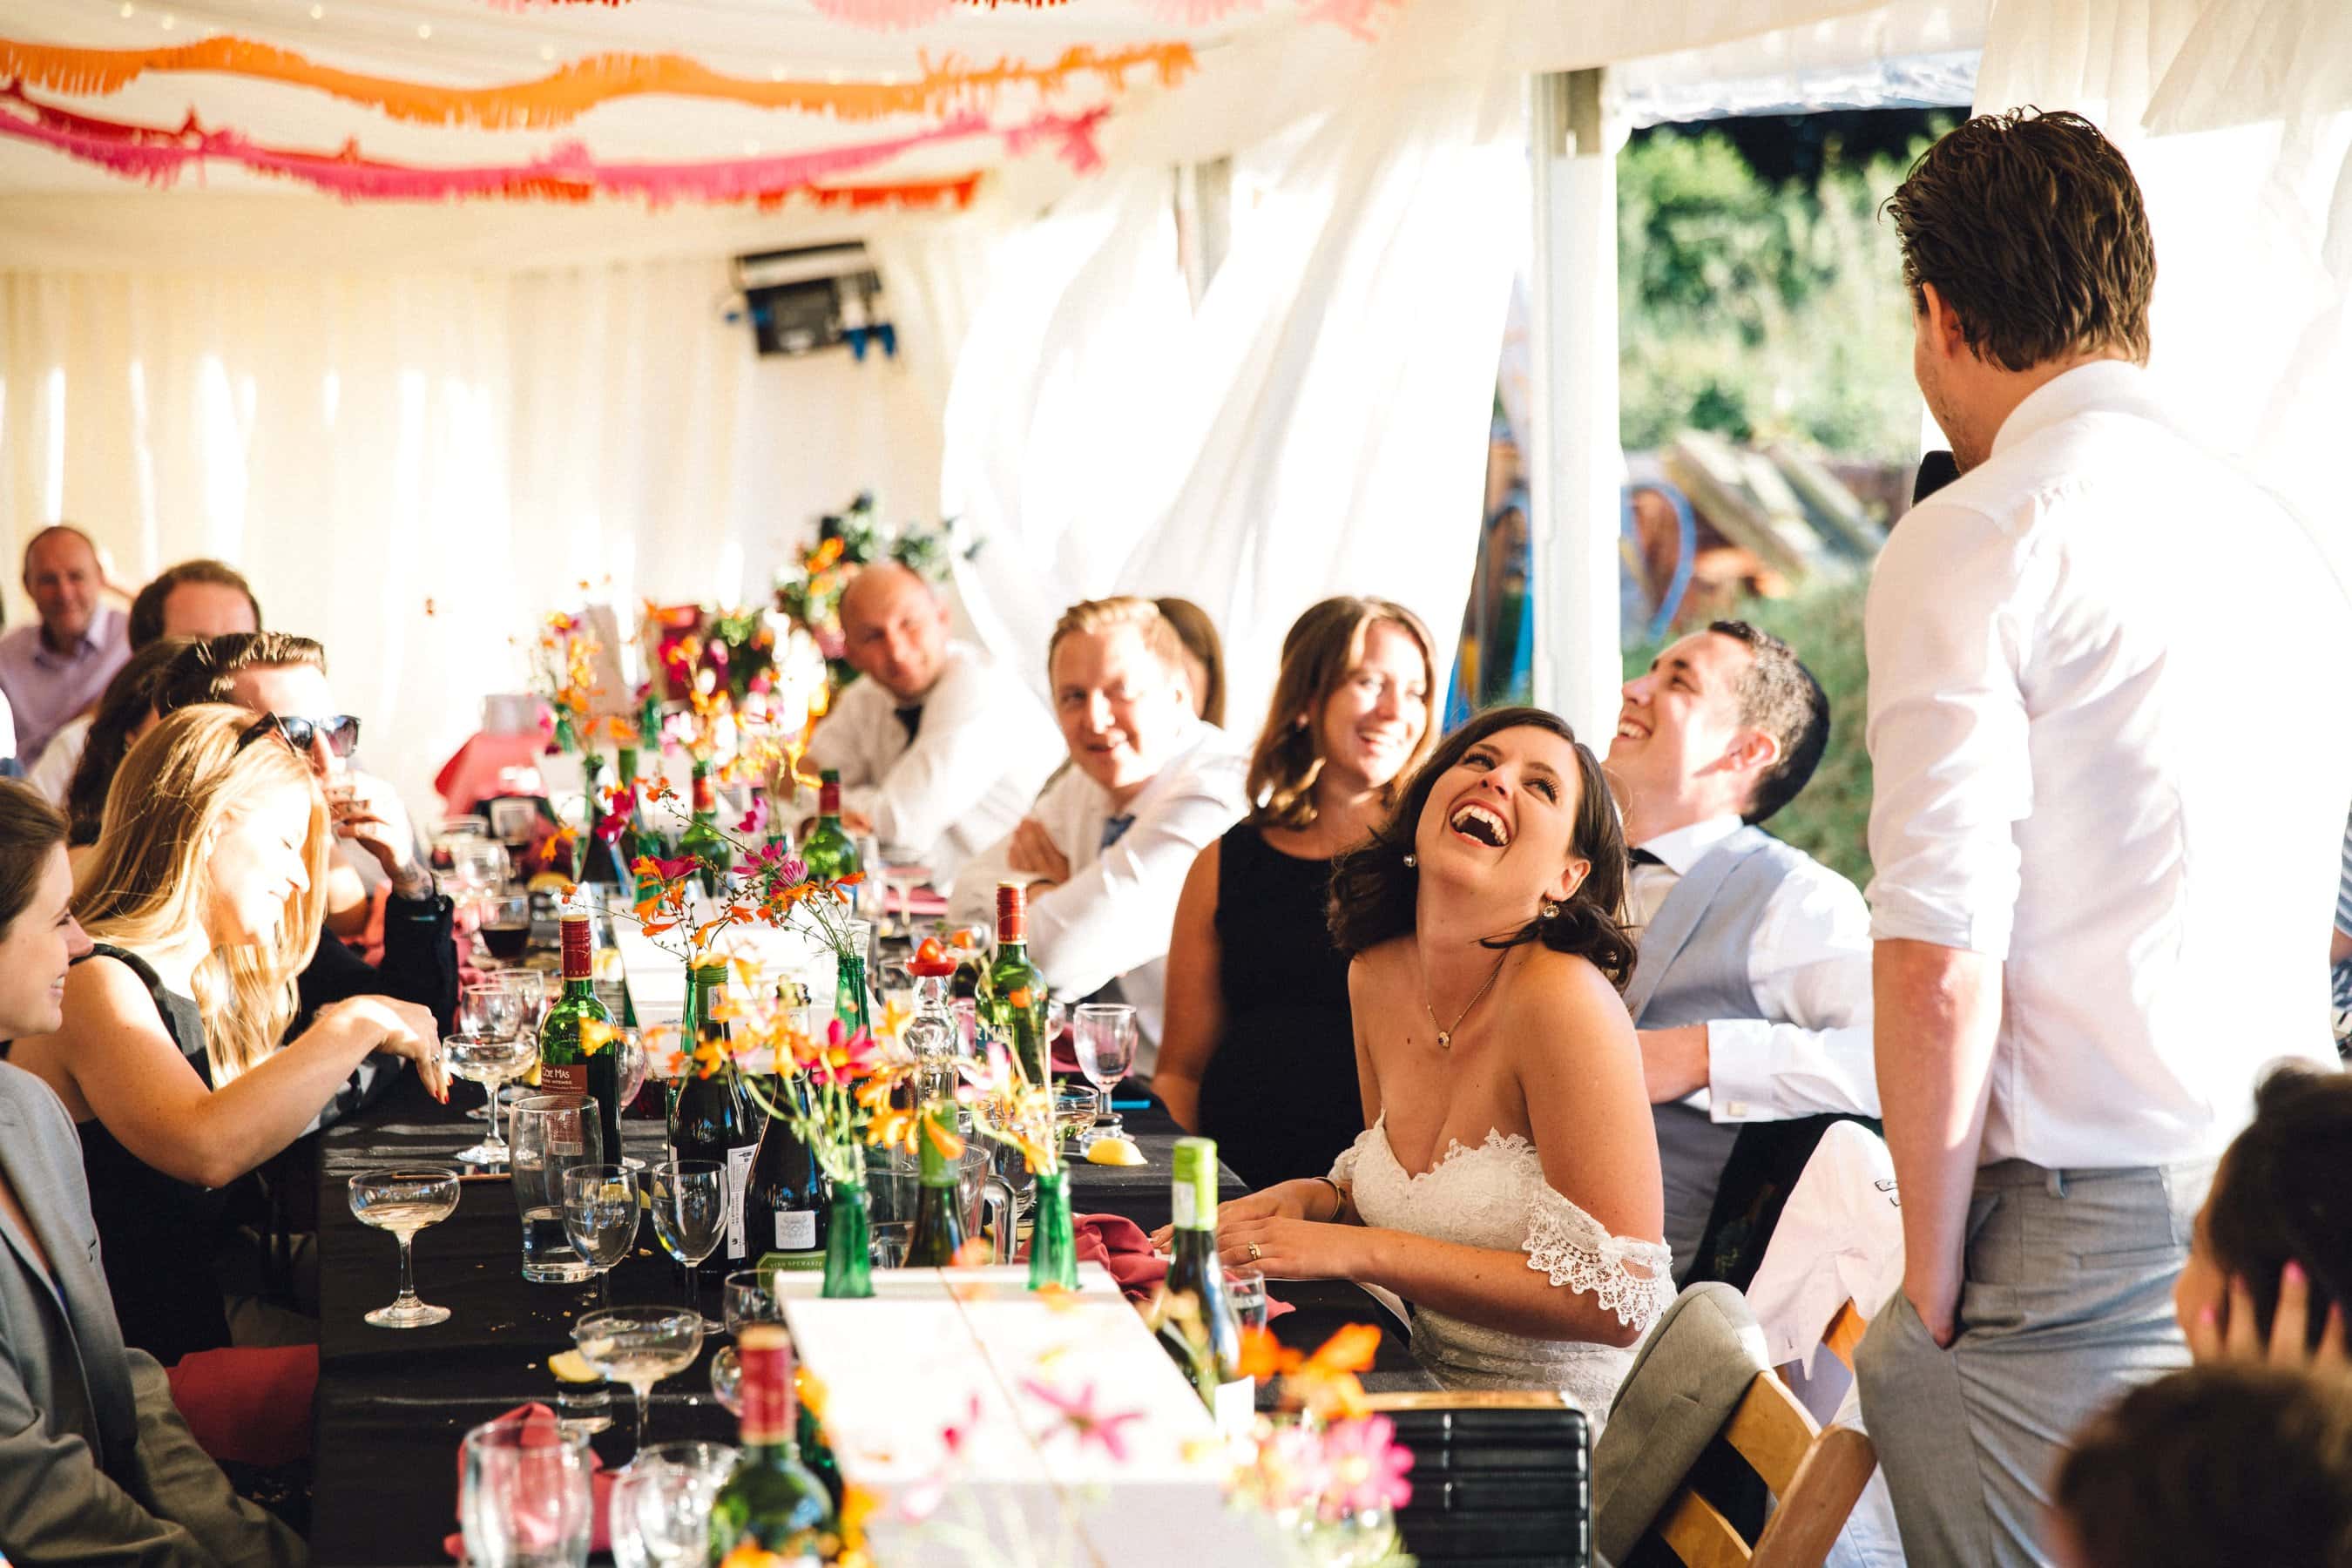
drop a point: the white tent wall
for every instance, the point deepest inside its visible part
(412, 466)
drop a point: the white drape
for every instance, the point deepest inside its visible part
(1319, 427)
(413, 466)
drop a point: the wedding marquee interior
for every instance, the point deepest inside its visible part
(423, 311)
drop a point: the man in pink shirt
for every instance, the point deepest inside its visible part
(53, 670)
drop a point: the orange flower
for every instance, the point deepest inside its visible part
(595, 1035)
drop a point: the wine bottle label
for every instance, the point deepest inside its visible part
(798, 1261)
(739, 1174)
(564, 1077)
(796, 1229)
(579, 958)
(1192, 1195)
(1234, 1408)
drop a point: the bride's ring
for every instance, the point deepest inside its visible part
(1252, 1247)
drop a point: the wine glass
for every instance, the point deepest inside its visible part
(492, 1061)
(660, 1509)
(689, 1204)
(504, 929)
(639, 1346)
(1103, 1035)
(530, 988)
(523, 1496)
(751, 1298)
(403, 1200)
(631, 1046)
(600, 1215)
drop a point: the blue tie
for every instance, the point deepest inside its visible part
(1114, 827)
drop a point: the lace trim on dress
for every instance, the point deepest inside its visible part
(1631, 1277)
(1343, 1169)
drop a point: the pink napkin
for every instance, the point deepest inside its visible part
(489, 765)
(600, 1488)
(248, 1405)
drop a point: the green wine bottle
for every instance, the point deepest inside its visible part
(1015, 998)
(702, 839)
(939, 1212)
(714, 1118)
(566, 1064)
(1215, 1368)
(771, 1505)
(829, 853)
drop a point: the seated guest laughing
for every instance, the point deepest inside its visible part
(940, 751)
(1106, 849)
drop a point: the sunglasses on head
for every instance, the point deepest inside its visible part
(340, 731)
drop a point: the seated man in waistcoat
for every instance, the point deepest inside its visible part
(1751, 995)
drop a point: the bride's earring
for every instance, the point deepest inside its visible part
(1550, 911)
(1410, 861)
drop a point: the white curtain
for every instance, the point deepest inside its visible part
(2237, 118)
(1319, 427)
(414, 468)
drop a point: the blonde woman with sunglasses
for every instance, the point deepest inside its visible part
(204, 895)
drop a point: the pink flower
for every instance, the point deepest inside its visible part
(756, 819)
(1082, 1420)
(671, 869)
(1365, 1466)
(985, 1081)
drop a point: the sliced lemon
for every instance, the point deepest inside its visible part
(548, 882)
(1114, 1152)
(573, 1367)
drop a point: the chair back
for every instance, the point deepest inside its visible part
(1501, 1478)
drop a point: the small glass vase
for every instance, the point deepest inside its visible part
(1053, 1243)
(850, 1005)
(849, 1244)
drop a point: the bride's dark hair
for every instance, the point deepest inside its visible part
(1372, 889)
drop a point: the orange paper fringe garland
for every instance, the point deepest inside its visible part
(563, 96)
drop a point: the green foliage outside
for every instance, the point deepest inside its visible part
(1831, 819)
(1762, 313)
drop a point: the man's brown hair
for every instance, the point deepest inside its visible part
(1098, 616)
(147, 609)
(206, 671)
(2031, 229)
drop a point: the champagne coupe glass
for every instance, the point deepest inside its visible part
(1103, 1035)
(600, 1215)
(523, 1495)
(491, 1061)
(751, 1298)
(403, 1200)
(660, 1509)
(689, 1204)
(639, 1346)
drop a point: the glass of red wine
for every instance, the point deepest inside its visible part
(506, 927)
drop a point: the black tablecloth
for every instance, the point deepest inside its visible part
(392, 1406)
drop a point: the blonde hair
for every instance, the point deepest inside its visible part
(1097, 616)
(1322, 646)
(149, 878)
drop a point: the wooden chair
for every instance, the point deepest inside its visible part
(1814, 1476)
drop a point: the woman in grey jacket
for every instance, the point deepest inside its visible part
(96, 1464)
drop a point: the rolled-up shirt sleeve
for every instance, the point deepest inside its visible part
(1945, 631)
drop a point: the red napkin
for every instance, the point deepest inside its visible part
(1119, 1243)
(248, 1405)
(489, 765)
(600, 1488)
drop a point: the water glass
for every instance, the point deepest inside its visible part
(491, 1061)
(530, 988)
(1075, 1109)
(639, 1346)
(523, 1496)
(600, 1217)
(689, 1203)
(660, 1509)
(1103, 1035)
(553, 1133)
(488, 1007)
(404, 1201)
(1245, 1289)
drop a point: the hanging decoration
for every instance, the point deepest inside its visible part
(943, 85)
(569, 173)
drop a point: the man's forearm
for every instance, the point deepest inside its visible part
(1938, 1009)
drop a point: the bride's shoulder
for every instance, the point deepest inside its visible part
(1557, 988)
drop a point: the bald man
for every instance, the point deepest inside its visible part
(54, 669)
(940, 749)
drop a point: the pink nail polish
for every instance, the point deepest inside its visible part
(2292, 1274)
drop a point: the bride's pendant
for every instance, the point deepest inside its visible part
(1444, 1039)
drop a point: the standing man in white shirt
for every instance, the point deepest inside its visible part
(2104, 839)
(1751, 993)
(939, 750)
(1106, 849)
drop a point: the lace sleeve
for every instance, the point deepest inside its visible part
(1343, 1169)
(1632, 1278)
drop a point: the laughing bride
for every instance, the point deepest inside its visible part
(1508, 1185)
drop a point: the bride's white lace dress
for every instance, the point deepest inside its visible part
(1495, 1196)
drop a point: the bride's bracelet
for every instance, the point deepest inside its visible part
(1338, 1198)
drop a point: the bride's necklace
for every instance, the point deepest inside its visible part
(1445, 1035)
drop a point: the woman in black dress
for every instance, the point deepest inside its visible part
(204, 894)
(1257, 1051)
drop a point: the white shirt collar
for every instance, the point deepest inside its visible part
(1686, 847)
(2105, 382)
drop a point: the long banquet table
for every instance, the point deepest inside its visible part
(392, 1406)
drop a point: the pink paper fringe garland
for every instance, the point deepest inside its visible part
(159, 156)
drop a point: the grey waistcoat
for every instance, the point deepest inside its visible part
(1693, 969)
